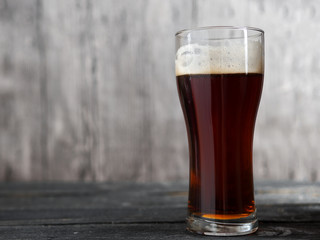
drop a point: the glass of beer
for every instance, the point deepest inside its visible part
(219, 74)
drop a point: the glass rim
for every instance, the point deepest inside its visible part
(184, 32)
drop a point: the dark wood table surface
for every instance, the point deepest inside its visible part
(286, 210)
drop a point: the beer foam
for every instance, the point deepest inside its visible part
(227, 58)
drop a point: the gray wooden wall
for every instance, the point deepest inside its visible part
(87, 88)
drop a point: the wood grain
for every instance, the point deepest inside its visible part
(143, 211)
(127, 203)
(87, 88)
(22, 156)
(151, 231)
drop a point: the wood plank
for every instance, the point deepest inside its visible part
(72, 135)
(56, 203)
(22, 71)
(151, 231)
(307, 213)
(164, 193)
(39, 195)
(140, 117)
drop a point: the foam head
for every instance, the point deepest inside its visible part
(226, 57)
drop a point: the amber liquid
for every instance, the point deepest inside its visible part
(220, 112)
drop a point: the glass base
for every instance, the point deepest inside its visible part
(216, 227)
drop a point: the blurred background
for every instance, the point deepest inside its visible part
(88, 91)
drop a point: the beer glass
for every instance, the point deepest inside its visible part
(219, 74)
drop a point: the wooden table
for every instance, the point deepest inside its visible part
(143, 211)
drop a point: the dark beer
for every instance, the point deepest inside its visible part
(220, 112)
